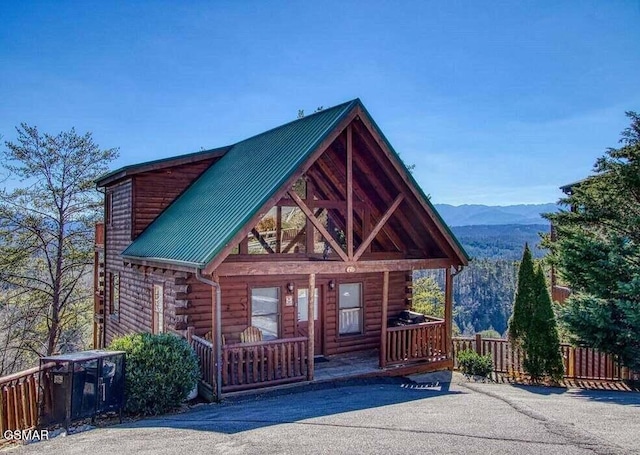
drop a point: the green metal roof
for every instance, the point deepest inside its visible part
(201, 221)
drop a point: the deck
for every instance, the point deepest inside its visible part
(405, 350)
(344, 366)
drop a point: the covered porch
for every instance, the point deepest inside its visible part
(404, 349)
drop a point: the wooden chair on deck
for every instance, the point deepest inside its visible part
(208, 337)
(250, 335)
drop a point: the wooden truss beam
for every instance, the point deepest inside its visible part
(380, 225)
(373, 141)
(262, 241)
(255, 219)
(329, 167)
(318, 225)
(299, 236)
(349, 193)
(329, 267)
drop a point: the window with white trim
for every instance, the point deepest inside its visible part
(158, 308)
(350, 309)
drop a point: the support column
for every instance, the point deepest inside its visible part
(279, 230)
(311, 322)
(309, 232)
(383, 322)
(216, 330)
(217, 390)
(448, 311)
(349, 193)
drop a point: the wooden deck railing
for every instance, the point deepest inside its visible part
(579, 362)
(19, 400)
(204, 350)
(264, 363)
(416, 342)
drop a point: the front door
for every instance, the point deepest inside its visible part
(302, 305)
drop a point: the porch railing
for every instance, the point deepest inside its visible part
(264, 363)
(419, 342)
(579, 362)
(19, 400)
(204, 350)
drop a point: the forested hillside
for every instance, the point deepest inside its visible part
(500, 241)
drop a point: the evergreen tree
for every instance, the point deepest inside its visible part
(525, 298)
(532, 325)
(544, 330)
(597, 252)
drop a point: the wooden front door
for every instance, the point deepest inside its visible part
(302, 306)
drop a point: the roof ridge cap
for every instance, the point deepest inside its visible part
(306, 117)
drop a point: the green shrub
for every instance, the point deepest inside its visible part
(473, 364)
(161, 370)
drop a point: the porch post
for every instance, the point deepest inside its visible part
(217, 392)
(448, 310)
(311, 321)
(383, 322)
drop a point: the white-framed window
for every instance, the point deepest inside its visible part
(108, 209)
(350, 309)
(265, 311)
(114, 293)
(158, 308)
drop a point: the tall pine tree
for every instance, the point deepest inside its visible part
(597, 252)
(532, 325)
(524, 299)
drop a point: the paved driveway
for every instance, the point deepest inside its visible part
(384, 416)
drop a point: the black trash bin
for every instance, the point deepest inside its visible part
(81, 385)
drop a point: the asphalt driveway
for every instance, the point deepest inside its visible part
(382, 416)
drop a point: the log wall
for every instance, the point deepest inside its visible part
(136, 285)
(153, 191)
(136, 202)
(372, 292)
(236, 307)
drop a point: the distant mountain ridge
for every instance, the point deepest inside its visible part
(476, 214)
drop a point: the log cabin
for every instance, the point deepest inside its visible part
(290, 247)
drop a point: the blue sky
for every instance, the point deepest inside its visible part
(495, 102)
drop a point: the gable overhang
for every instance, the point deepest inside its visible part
(162, 263)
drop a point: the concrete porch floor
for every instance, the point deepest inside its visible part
(343, 366)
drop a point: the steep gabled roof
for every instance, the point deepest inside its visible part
(199, 223)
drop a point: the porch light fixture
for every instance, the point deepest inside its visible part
(332, 285)
(290, 287)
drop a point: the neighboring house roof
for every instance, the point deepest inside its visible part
(203, 220)
(569, 188)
